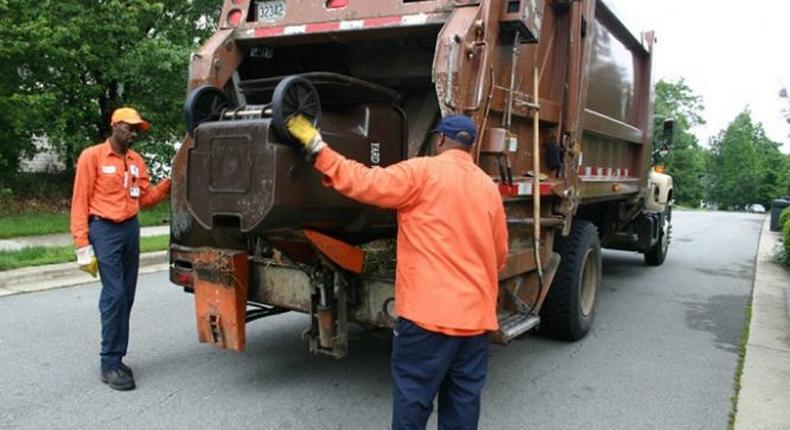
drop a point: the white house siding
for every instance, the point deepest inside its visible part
(45, 159)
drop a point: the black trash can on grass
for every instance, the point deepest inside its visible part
(777, 207)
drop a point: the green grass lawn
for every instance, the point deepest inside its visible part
(677, 207)
(40, 223)
(39, 255)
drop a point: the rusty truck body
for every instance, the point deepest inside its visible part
(560, 90)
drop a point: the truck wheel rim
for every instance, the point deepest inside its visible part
(589, 281)
(665, 237)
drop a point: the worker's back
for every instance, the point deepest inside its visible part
(449, 239)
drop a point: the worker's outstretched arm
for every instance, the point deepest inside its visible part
(394, 187)
(151, 195)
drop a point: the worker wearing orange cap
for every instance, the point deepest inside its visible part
(110, 187)
(452, 240)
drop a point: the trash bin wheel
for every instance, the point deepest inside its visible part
(294, 95)
(205, 103)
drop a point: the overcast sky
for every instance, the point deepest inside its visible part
(733, 53)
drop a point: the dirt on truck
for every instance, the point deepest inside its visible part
(559, 89)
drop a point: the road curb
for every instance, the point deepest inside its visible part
(765, 382)
(42, 278)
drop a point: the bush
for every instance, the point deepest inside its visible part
(787, 242)
(784, 217)
(41, 185)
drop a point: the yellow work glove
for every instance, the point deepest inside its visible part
(303, 131)
(86, 260)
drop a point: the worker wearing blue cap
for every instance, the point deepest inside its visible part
(459, 128)
(452, 240)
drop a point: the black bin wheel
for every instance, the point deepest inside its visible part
(294, 95)
(204, 103)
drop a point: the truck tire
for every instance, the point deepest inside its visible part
(657, 253)
(569, 309)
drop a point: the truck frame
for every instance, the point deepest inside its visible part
(560, 90)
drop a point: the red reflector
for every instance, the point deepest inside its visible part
(508, 190)
(237, 1)
(234, 17)
(334, 4)
(184, 278)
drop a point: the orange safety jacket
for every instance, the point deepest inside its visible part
(112, 186)
(452, 235)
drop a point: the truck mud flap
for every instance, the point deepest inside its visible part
(221, 288)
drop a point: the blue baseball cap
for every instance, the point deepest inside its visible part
(451, 125)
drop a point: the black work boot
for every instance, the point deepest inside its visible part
(127, 369)
(117, 379)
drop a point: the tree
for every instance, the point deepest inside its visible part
(13, 141)
(73, 63)
(784, 173)
(784, 177)
(686, 160)
(747, 167)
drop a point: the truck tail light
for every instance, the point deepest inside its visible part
(336, 4)
(234, 17)
(185, 278)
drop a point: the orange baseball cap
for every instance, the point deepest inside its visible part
(129, 116)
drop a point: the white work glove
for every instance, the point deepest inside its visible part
(86, 260)
(303, 131)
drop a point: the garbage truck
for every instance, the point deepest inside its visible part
(560, 91)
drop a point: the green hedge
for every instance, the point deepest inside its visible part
(784, 217)
(787, 241)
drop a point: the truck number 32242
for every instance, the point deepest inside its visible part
(271, 10)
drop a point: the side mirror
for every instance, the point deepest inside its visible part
(667, 139)
(669, 133)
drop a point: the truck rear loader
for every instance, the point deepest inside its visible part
(559, 89)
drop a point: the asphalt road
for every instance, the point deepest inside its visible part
(662, 354)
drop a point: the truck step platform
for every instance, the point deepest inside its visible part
(516, 324)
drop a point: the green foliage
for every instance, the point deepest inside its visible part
(6, 196)
(39, 185)
(36, 223)
(36, 256)
(13, 139)
(783, 177)
(736, 383)
(786, 232)
(678, 101)
(40, 255)
(686, 160)
(33, 224)
(742, 167)
(784, 217)
(154, 243)
(746, 165)
(157, 215)
(66, 65)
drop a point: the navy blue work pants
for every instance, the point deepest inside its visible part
(117, 247)
(425, 363)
